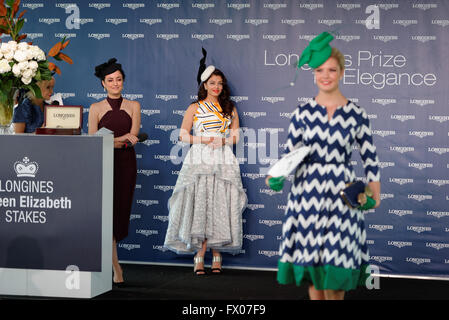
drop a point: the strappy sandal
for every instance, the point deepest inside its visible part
(217, 259)
(196, 262)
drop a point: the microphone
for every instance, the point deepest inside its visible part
(141, 136)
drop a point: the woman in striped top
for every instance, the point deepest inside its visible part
(208, 200)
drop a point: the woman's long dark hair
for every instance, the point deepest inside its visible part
(225, 96)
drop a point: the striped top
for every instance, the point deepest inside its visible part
(209, 118)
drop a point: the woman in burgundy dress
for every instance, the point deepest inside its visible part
(121, 116)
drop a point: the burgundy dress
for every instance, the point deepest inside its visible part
(125, 167)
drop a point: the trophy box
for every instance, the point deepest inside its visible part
(62, 120)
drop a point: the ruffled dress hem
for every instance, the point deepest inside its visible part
(327, 277)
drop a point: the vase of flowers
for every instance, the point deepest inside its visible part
(22, 64)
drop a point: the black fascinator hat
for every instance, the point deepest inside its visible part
(102, 70)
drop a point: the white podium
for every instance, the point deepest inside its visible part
(56, 221)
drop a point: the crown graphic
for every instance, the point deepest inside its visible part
(26, 168)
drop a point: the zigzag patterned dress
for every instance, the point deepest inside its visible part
(208, 199)
(323, 240)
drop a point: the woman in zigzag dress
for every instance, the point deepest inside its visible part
(323, 239)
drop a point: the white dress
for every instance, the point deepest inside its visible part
(208, 199)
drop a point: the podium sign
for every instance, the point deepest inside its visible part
(52, 202)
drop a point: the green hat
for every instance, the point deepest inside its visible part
(317, 52)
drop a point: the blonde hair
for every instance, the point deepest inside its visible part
(339, 57)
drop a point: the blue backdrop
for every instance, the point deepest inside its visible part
(398, 72)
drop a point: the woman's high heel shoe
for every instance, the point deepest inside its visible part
(217, 259)
(197, 261)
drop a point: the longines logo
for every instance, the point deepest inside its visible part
(254, 237)
(386, 164)
(97, 96)
(237, 37)
(147, 233)
(285, 115)
(159, 247)
(425, 6)
(402, 149)
(405, 23)
(400, 244)
(203, 6)
(381, 259)
(164, 158)
(186, 22)
(421, 134)
(239, 6)
(348, 6)
(438, 214)
(134, 6)
(164, 188)
(165, 127)
(99, 36)
(33, 6)
(403, 117)
(116, 21)
(419, 197)
(438, 182)
(270, 223)
(439, 151)
(329, 22)
(168, 6)
(275, 6)
(65, 35)
(202, 37)
(311, 6)
(419, 229)
(167, 97)
(383, 102)
(147, 172)
(273, 100)
(420, 166)
(49, 21)
(238, 99)
(252, 176)
(220, 22)
(150, 112)
(348, 38)
(64, 5)
(160, 218)
(33, 36)
(269, 192)
(150, 21)
(129, 246)
(99, 6)
(147, 203)
(133, 36)
(387, 6)
(385, 38)
(274, 37)
(254, 115)
(418, 261)
(268, 253)
(422, 102)
(380, 227)
(293, 22)
(424, 39)
(255, 206)
(440, 119)
(437, 246)
(133, 96)
(384, 133)
(441, 23)
(256, 22)
(167, 36)
(26, 168)
(400, 212)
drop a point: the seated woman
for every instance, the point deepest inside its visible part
(29, 114)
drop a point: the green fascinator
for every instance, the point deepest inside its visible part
(317, 52)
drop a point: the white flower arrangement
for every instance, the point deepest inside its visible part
(20, 58)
